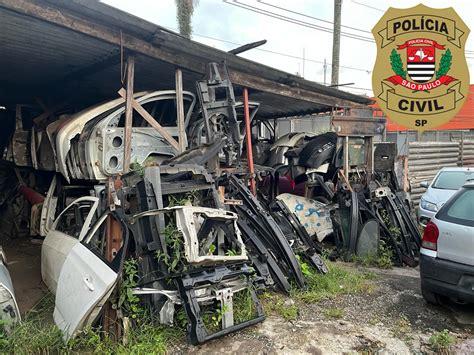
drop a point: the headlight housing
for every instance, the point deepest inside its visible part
(430, 206)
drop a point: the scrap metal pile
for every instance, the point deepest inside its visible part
(202, 242)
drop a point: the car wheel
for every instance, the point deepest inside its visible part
(429, 296)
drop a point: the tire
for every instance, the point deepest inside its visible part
(429, 296)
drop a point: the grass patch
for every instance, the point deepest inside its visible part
(338, 281)
(441, 341)
(274, 304)
(334, 313)
(37, 333)
(244, 306)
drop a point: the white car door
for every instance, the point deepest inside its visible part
(85, 282)
(67, 230)
(84, 285)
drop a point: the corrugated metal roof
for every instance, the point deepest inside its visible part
(40, 57)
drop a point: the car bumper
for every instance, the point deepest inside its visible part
(424, 216)
(447, 278)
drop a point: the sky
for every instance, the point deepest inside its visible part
(226, 24)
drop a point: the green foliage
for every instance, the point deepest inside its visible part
(334, 312)
(37, 334)
(129, 302)
(244, 307)
(397, 64)
(444, 64)
(174, 246)
(137, 168)
(305, 268)
(274, 303)
(338, 281)
(181, 318)
(441, 341)
(217, 316)
(291, 312)
(383, 259)
(232, 252)
(212, 249)
(190, 197)
(4, 325)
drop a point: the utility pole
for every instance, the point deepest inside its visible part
(336, 42)
(325, 66)
(303, 62)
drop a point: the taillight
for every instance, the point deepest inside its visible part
(430, 236)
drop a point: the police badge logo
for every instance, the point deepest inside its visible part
(412, 86)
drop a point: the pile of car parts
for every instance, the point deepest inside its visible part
(202, 243)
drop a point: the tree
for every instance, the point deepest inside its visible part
(184, 13)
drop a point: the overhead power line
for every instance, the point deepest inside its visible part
(368, 6)
(311, 17)
(295, 21)
(277, 53)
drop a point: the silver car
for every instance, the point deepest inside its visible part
(447, 252)
(444, 185)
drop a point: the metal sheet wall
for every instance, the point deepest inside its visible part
(426, 158)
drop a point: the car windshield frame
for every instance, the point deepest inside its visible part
(468, 173)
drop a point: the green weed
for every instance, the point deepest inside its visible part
(244, 306)
(37, 334)
(441, 341)
(274, 303)
(334, 313)
(173, 259)
(338, 281)
(383, 259)
(129, 302)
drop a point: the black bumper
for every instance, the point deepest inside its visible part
(447, 278)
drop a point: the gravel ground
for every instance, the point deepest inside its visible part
(391, 317)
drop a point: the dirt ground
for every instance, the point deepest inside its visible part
(392, 317)
(24, 264)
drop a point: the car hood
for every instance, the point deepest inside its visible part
(438, 196)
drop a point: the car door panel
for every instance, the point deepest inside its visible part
(84, 285)
(57, 245)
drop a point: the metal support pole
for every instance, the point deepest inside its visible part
(128, 113)
(180, 110)
(346, 156)
(248, 139)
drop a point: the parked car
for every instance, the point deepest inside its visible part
(444, 185)
(447, 252)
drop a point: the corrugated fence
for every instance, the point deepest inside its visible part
(426, 158)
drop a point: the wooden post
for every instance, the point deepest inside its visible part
(128, 113)
(180, 110)
(149, 118)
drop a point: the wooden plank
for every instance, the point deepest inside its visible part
(149, 118)
(180, 110)
(128, 113)
(170, 48)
